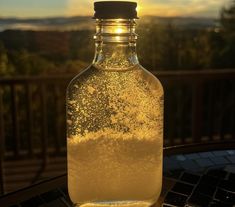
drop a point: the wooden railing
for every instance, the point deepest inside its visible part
(204, 85)
(199, 107)
(32, 110)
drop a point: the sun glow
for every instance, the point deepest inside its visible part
(119, 30)
(138, 9)
(118, 38)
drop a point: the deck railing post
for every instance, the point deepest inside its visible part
(197, 114)
(29, 118)
(44, 120)
(15, 121)
(58, 121)
(2, 143)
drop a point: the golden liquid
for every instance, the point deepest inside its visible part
(114, 169)
(114, 142)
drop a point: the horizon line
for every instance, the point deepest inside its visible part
(88, 16)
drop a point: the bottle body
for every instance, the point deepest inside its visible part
(115, 137)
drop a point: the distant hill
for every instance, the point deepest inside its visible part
(86, 23)
(186, 22)
(52, 23)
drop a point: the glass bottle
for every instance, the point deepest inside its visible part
(115, 119)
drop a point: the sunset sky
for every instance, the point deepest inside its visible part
(44, 8)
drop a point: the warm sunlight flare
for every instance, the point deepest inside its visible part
(118, 20)
(118, 38)
(138, 9)
(119, 30)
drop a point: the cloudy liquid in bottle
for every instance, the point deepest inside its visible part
(115, 138)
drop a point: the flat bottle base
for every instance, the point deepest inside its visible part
(116, 204)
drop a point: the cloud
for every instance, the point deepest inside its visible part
(79, 7)
(182, 7)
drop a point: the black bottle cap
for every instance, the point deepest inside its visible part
(115, 10)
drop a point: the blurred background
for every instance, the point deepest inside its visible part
(188, 44)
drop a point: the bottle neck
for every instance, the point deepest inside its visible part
(115, 44)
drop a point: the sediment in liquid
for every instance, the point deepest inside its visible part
(114, 168)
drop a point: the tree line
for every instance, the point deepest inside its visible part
(160, 47)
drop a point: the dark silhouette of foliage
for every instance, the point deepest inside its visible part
(227, 18)
(227, 21)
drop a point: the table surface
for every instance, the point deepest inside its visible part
(213, 185)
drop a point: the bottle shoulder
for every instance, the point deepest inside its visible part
(152, 79)
(92, 75)
(76, 77)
